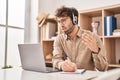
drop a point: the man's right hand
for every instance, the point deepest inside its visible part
(68, 66)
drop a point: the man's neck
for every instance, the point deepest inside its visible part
(73, 34)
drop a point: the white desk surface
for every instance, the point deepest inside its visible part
(20, 74)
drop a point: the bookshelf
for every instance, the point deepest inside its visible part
(47, 33)
(47, 49)
(111, 43)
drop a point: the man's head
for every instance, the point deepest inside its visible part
(67, 12)
(67, 17)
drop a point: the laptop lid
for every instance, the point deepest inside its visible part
(32, 57)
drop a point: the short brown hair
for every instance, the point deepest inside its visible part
(66, 11)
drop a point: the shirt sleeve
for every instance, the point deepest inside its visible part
(100, 59)
(58, 54)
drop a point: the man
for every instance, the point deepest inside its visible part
(74, 47)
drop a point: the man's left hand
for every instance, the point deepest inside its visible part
(90, 41)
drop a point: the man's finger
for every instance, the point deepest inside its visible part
(67, 67)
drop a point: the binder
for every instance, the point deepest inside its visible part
(109, 25)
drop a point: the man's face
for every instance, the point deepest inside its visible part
(65, 23)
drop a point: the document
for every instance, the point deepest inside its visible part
(78, 71)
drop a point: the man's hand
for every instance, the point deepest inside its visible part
(68, 66)
(90, 41)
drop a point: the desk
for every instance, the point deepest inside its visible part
(20, 74)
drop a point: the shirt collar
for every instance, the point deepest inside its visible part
(79, 33)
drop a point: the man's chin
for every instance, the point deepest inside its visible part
(63, 30)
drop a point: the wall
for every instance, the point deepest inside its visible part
(86, 4)
(33, 21)
(51, 5)
(31, 27)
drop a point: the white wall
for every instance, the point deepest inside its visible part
(88, 4)
(33, 21)
(31, 27)
(51, 5)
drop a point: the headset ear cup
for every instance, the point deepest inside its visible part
(74, 20)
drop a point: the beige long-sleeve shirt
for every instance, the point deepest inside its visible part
(78, 52)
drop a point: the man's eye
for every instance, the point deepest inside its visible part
(63, 20)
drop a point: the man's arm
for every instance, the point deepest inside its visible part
(60, 60)
(94, 43)
(100, 58)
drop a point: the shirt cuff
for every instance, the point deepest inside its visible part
(60, 64)
(96, 52)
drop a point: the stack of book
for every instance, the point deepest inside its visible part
(116, 32)
(109, 25)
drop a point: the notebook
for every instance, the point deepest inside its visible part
(32, 58)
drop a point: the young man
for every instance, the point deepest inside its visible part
(75, 47)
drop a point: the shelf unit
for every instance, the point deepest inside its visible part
(111, 43)
(47, 49)
(47, 33)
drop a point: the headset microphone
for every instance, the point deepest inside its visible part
(74, 20)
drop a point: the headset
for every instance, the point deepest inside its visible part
(74, 20)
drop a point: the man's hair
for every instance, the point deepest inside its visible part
(66, 12)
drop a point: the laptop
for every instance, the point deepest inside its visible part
(32, 58)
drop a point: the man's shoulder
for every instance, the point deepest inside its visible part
(61, 36)
(86, 31)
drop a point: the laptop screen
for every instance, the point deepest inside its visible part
(32, 57)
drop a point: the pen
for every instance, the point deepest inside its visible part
(83, 71)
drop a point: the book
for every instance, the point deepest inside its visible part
(109, 25)
(116, 32)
